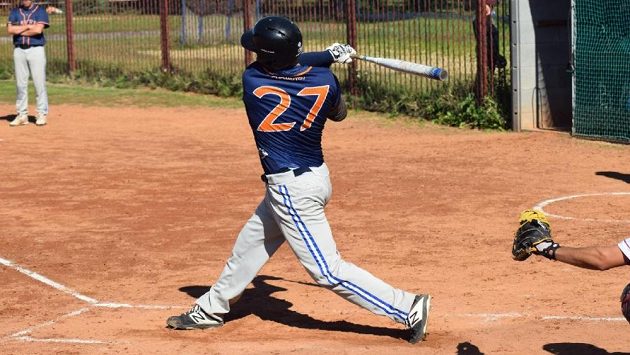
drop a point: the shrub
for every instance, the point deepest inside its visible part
(448, 104)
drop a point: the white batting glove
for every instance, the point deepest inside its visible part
(341, 53)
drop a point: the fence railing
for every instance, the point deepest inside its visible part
(202, 36)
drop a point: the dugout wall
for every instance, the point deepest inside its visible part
(541, 52)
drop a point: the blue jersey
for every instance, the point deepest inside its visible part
(29, 16)
(287, 111)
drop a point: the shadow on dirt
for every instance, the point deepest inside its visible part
(467, 348)
(615, 175)
(577, 349)
(10, 118)
(259, 301)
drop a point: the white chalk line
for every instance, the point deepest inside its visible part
(50, 322)
(141, 306)
(61, 340)
(47, 281)
(540, 207)
(22, 335)
(592, 319)
(493, 317)
(67, 290)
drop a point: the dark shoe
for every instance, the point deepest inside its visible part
(418, 317)
(196, 318)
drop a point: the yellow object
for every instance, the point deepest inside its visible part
(529, 215)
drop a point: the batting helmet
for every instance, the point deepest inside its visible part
(276, 40)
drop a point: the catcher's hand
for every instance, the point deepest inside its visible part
(533, 237)
(341, 53)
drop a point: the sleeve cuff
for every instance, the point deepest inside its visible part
(624, 245)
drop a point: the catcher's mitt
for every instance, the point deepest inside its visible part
(533, 237)
(625, 302)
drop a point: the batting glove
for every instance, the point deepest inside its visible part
(341, 53)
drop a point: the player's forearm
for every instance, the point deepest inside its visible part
(594, 258)
(30, 33)
(316, 59)
(16, 29)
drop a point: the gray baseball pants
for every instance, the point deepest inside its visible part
(30, 61)
(293, 211)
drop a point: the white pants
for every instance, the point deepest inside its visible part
(293, 211)
(30, 61)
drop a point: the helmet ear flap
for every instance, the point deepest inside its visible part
(247, 40)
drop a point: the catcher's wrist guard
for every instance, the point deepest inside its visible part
(547, 249)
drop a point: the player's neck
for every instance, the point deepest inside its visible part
(278, 70)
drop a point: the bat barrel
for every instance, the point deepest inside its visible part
(430, 72)
(439, 74)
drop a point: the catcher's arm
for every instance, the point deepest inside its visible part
(534, 237)
(594, 258)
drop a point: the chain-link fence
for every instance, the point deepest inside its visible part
(192, 37)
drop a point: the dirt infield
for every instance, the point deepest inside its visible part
(125, 215)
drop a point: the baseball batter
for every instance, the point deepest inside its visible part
(26, 24)
(288, 105)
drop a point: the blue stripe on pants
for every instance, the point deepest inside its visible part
(323, 266)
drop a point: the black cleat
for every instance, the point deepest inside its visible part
(196, 318)
(418, 317)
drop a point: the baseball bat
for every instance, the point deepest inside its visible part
(427, 71)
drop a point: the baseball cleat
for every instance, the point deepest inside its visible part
(41, 120)
(196, 318)
(418, 317)
(19, 120)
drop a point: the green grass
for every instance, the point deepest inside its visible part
(90, 95)
(448, 43)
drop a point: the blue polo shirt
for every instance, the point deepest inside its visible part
(29, 16)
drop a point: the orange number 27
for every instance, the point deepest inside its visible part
(268, 123)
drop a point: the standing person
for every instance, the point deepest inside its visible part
(534, 237)
(495, 59)
(287, 106)
(27, 23)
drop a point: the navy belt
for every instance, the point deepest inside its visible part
(296, 172)
(27, 46)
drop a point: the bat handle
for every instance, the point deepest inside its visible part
(357, 56)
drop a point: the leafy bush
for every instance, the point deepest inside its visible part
(466, 113)
(448, 104)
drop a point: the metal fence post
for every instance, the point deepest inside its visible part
(351, 33)
(166, 59)
(247, 24)
(183, 37)
(72, 63)
(481, 89)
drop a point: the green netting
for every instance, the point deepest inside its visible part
(602, 69)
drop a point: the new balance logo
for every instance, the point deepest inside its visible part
(197, 318)
(414, 317)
